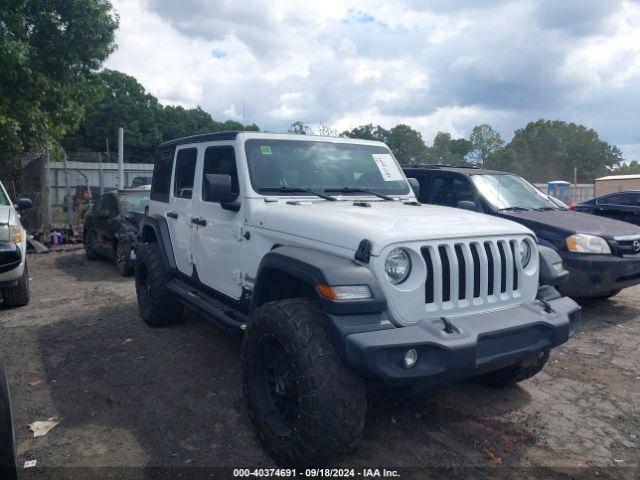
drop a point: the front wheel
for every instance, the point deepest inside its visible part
(90, 245)
(514, 373)
(20, 294)
(304, 402)
(123, 260)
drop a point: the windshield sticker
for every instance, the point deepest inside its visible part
(265, 150)
(387, 166)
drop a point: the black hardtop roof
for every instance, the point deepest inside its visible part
(203, 137)
(463, 170)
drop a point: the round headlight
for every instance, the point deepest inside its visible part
(525, 254)
(397, 265)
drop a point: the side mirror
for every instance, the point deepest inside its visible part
(415, 186)
(102, 214)
(468, 205)
(23, 204)
(217, 188)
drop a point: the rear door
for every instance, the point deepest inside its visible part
(179, 214)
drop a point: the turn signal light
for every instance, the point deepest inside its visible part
(344, 292)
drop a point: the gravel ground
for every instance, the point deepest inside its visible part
(130, 396)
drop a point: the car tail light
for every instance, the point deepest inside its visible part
(572, 206)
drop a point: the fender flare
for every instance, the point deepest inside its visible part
(161, 230)
(313, 267)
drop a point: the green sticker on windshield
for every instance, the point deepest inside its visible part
(266, 150)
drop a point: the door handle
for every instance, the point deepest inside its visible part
(199, 221)
(173, 215)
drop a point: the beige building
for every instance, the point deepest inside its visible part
(616, 183)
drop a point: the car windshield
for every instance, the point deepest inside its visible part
(286, 165)
(511, 192)
(134, 202)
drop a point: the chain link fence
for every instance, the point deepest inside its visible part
(63, 185)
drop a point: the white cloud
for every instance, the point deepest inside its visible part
(439, 65)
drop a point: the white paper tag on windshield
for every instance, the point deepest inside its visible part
(387, 166)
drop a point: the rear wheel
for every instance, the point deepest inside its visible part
(158, 305)
(19, 295)
(123, 260)
(304, 402)
(90, 245)
(514, 373)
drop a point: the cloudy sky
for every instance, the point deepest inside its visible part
(435, 65)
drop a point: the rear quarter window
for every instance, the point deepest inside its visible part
(161, 182)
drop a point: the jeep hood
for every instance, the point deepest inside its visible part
(343, 224)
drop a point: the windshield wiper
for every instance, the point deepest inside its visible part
(289, 189)
(359, 190)
(545, 209)
(515, 209)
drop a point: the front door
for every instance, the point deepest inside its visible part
(219, 246)
(179, 212)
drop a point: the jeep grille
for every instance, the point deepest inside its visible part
(471, 272)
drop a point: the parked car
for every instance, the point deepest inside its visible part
(111, 227)
(8, 452)
(623, 206)
(14, 275)
(140, 182)
(602, 255)
(317, 250)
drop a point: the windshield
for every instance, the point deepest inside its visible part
(511, 192)
(321, 166)
(133, 202)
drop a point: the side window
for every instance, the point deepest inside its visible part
(449, 191)
(101, 204)
(615, 199)
(185, 173)
(221, 160)
(161, 182)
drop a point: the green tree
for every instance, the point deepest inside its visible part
(299, 128)
(549, 150)
(484, 141)
(407, 144)
(368, 132)
(49, 50)
(449, 151)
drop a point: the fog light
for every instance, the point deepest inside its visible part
(410, 358)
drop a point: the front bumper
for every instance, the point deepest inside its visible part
(592, 275)
(10, 256)
(476, 344)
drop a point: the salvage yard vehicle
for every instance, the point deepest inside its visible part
(14, 275)
(8, 453)
(111, 227)
(602, 255)
(316, 249)
(624, 206)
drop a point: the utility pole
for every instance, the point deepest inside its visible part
(120, 158)
(108, 156)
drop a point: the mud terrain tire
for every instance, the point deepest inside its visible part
(18, 295)
(304, 402)
(158, 306)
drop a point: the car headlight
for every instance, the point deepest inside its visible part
(525, 253)
(397, 265)
(583, 243)
(11, 233)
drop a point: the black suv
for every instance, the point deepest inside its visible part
(111, 227)
(602, 255)
(623, 206)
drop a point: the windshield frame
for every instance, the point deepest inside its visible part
(5, 201)
(384, 149)
(545, 203)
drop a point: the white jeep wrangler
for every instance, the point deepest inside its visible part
(317, 249)
(14, 277)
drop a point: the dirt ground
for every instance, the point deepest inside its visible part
(130, 396)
